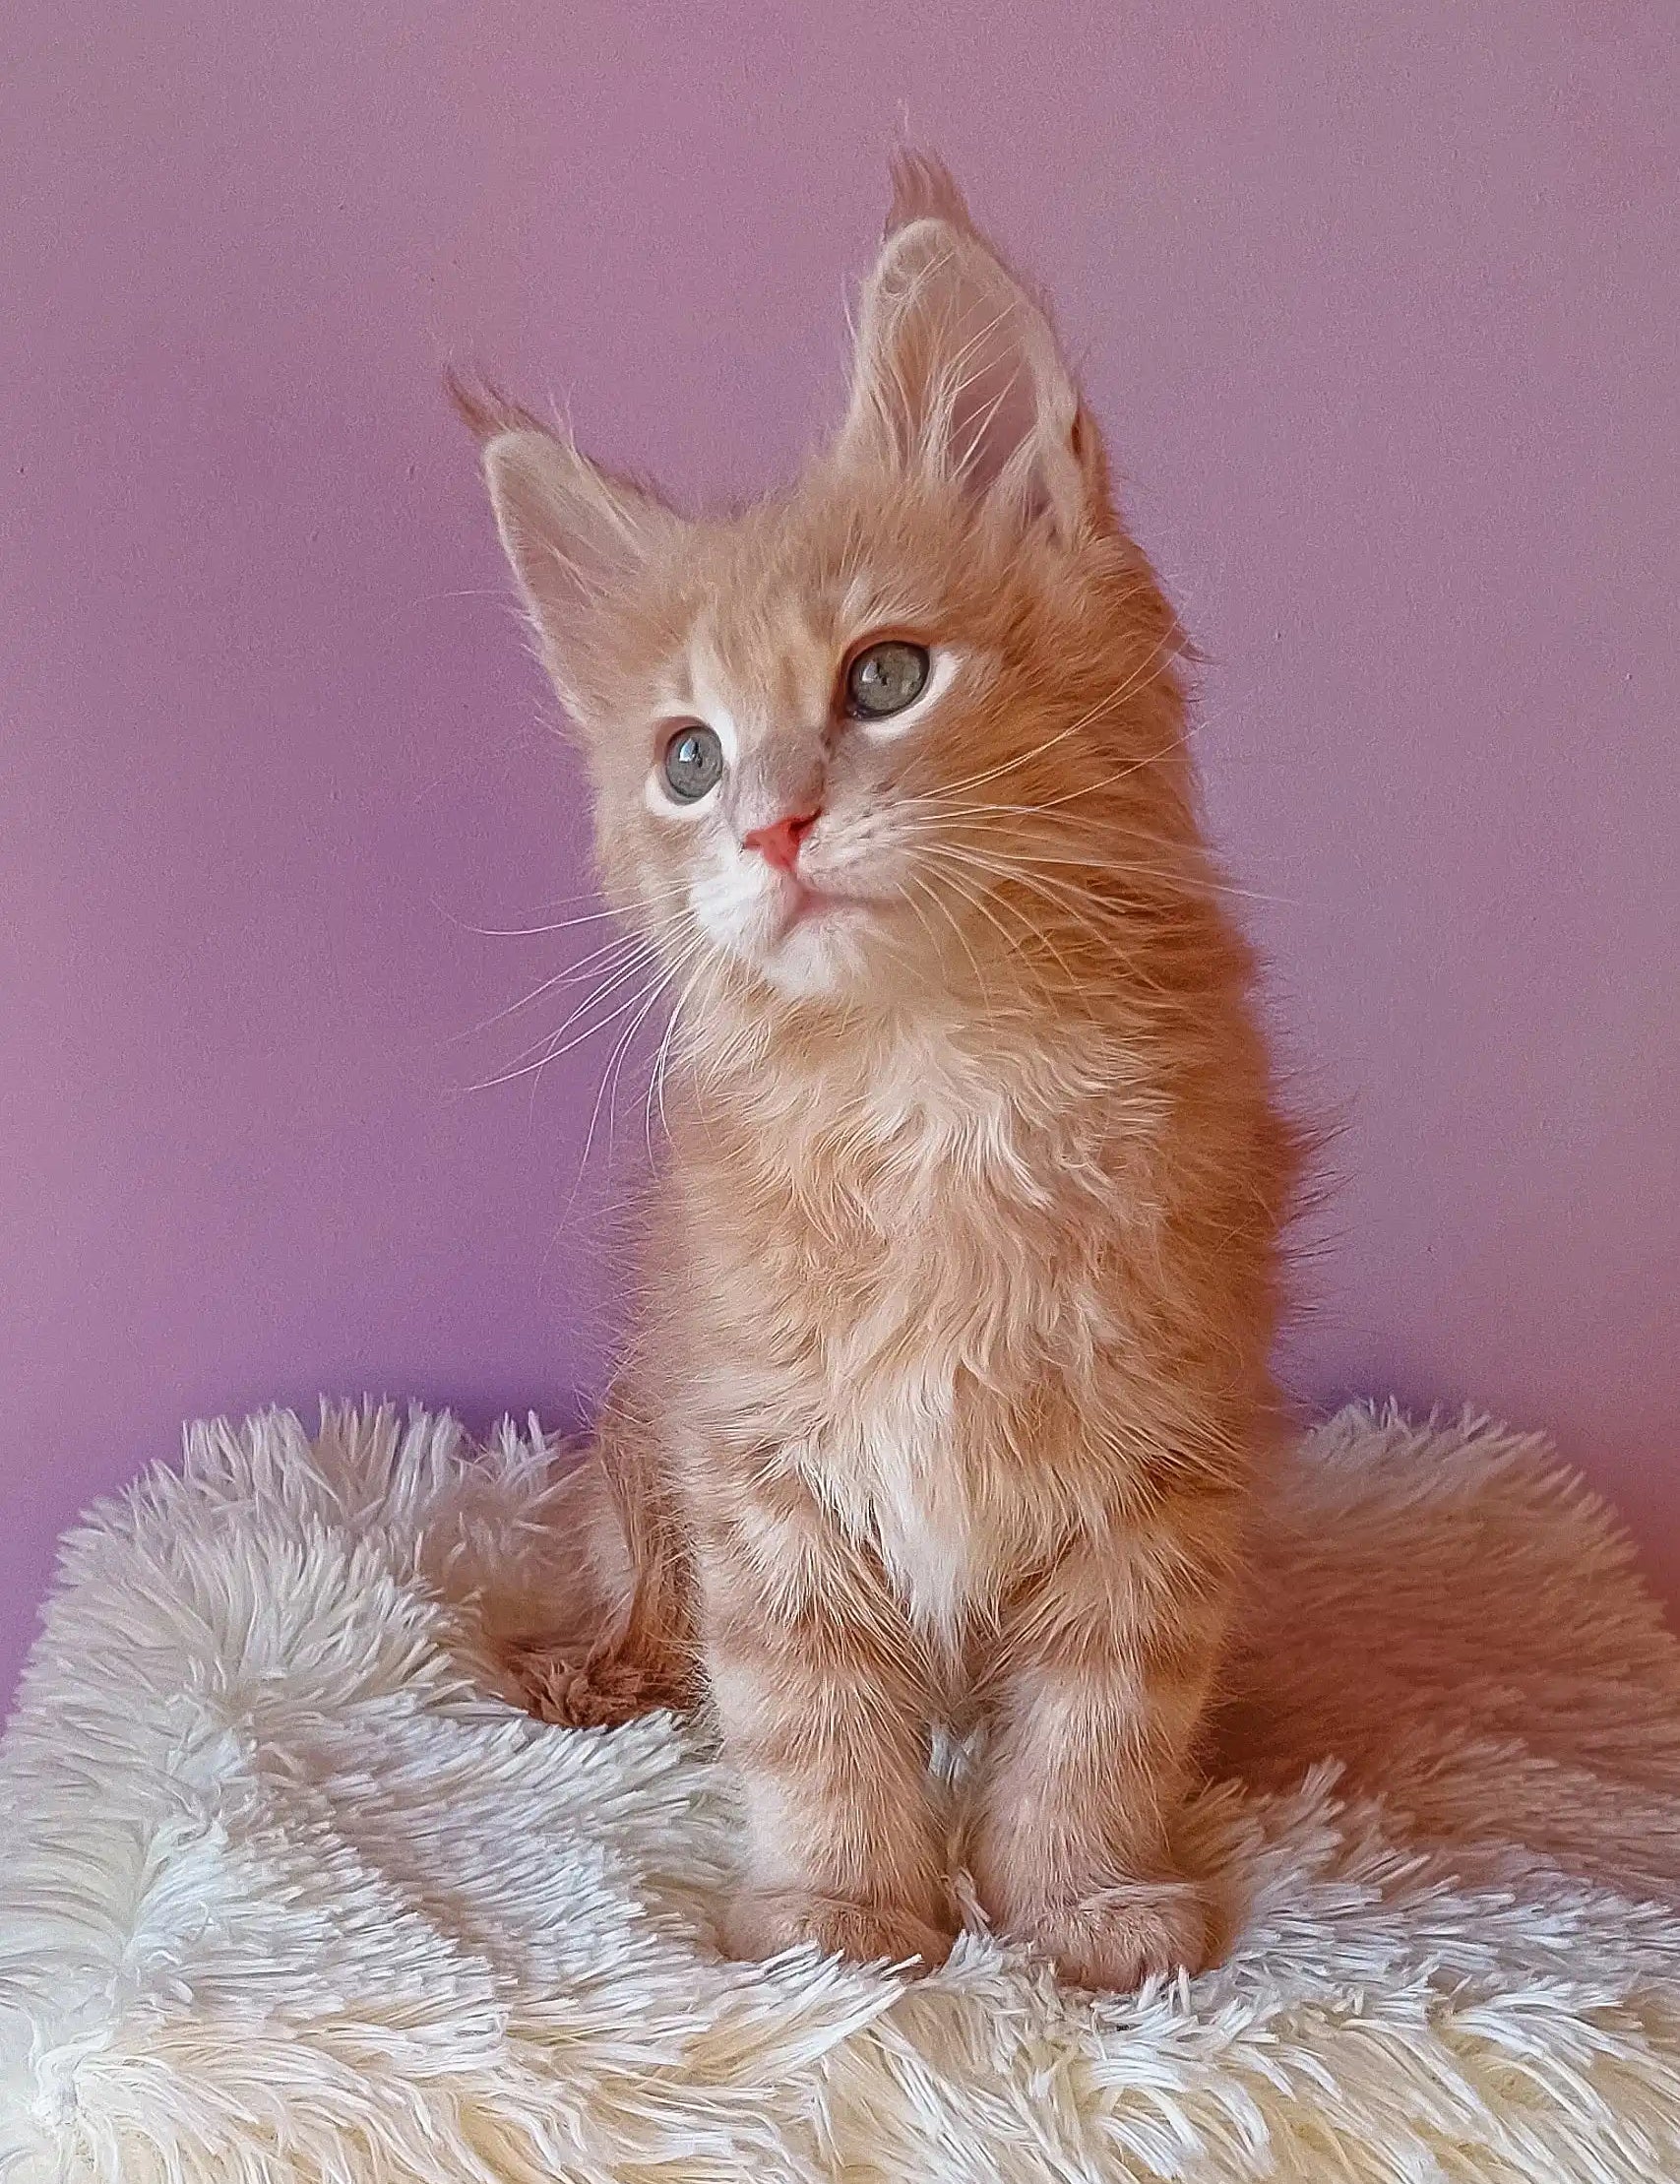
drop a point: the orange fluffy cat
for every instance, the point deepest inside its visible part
(949, 1375)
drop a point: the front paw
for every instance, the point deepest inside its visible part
(1116, 1938)
(762, 1922)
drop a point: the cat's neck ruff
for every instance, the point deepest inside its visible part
(743, 1049)
(1009, 1101)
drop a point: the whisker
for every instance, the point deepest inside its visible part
(620, 976)
(561, 925)
(1116, 697)
(988, 909)
(656, 1082)
(554, 1053)
(1102, 861)
(1196, 882)
(597, 961)
(945, 910)
(1086, 788)
(1099, 922)
(614, 1069)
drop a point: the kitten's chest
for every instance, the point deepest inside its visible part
(883, 1295)
(898, 1471)
(927, 1328)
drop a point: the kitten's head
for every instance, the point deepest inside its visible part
(900, 728)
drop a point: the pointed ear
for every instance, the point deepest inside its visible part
(958, 373)
(575, 535)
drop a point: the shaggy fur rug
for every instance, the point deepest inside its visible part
(290, 1890)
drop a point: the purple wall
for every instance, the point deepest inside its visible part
(1379, 307)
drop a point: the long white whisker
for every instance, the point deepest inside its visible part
(1101, 860)
(988, 909)
(554, 1053)
(620, 976)
(615, 1064)
(956, 789)
(561, 925)
(955, 924)
(598, 963)
(614, 1070)
(1196, 882)
(1106, 926)
(656, 1082)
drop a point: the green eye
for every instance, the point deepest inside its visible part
(885, 679)
(694, 764)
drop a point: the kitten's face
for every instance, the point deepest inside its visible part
(781, 793)
(769, 784)
(854, 742)
(824, 732)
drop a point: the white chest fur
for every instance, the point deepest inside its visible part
(927, 1265)
(896, 1473)
(943, 1334)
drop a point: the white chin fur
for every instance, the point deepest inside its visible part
(817, 956)
(821, 953)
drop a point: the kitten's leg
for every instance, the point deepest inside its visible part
(823, 1705)
(1092, 1706)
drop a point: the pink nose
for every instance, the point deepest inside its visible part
(778, 842)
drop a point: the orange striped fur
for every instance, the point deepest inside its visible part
(949, 1377)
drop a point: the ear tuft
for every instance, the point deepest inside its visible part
(924, 188)
(483, 408)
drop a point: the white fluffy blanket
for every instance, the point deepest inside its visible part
(289, 1890)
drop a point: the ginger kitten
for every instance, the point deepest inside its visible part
(950, 1372)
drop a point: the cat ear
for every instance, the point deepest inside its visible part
(576, 534)
(958, 373)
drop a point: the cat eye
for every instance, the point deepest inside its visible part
(693, 763)
(886, 678)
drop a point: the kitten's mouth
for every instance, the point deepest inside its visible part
(808, 905)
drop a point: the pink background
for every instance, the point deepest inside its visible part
(1379, 307)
